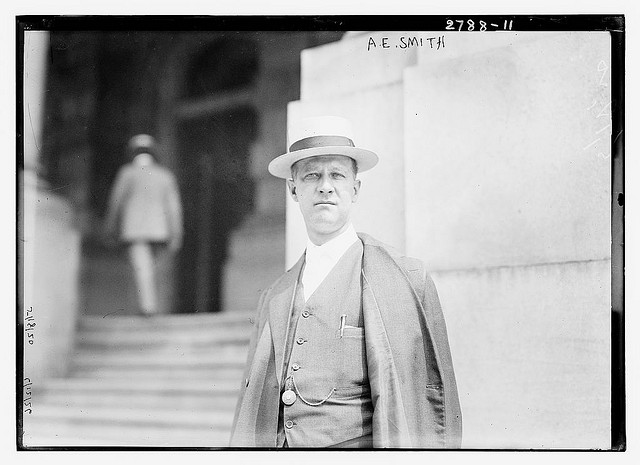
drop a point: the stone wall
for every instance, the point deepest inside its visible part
(51, 263)
(49, 241)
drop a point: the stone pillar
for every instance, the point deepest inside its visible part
(495, 170)
(50, 243)
(168, 86)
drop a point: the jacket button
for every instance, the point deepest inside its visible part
(295, 367)
(305, 314)
(300, 341)
(288, 424)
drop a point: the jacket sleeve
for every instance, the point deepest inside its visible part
(433, 312)
(411, 377)
(117, 198)
(174, 211)
(258, 323)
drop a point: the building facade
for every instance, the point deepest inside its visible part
(216, 102)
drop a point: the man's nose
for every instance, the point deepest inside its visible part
(325, 187)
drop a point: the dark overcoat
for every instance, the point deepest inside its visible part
(413, 387)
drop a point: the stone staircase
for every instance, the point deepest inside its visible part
(168, 381)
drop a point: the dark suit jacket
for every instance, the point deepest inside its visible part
(413, 387)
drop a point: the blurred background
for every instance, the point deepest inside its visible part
(495, 170)
(216, 102)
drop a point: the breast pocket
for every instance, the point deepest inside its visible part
(352, 331)
(354, 360)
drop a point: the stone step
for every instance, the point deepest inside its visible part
(222, 402)
(159, 326)
(134, 323)
(135, 386)
(160, 372)
(169, 418)
(170, 359)
(150, 339)
(109, 435)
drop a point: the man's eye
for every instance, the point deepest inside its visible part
(311, 176)
(338, 175)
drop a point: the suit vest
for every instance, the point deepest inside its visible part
(326, 365)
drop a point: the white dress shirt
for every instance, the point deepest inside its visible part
(320, 259)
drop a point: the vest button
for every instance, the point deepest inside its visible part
(300, 341)
(305, 314)
(295, 367)
(288, 424)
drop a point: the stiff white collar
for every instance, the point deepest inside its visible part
(320, 259)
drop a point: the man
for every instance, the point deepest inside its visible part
(145, 214)
(350, 347)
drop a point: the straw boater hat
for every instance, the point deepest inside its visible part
(324, 135)
(142, 143)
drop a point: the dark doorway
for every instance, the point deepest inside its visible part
(217, 193)
(214, 137)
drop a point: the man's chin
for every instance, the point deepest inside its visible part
(325, 226)
(324, 221)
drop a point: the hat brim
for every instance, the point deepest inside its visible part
(281, 166)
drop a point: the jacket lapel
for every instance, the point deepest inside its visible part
(280, 306)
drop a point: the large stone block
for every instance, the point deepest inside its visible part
(353, 64)
(507, 153)
(51, 263)
(456, 44)
(532, 353)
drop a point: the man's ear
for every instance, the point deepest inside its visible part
(291, 185)
(356, 189)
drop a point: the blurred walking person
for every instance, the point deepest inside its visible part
(145, 214)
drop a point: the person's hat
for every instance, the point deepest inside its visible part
(142, 142)
(324, 135)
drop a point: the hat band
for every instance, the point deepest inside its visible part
(321, 141)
